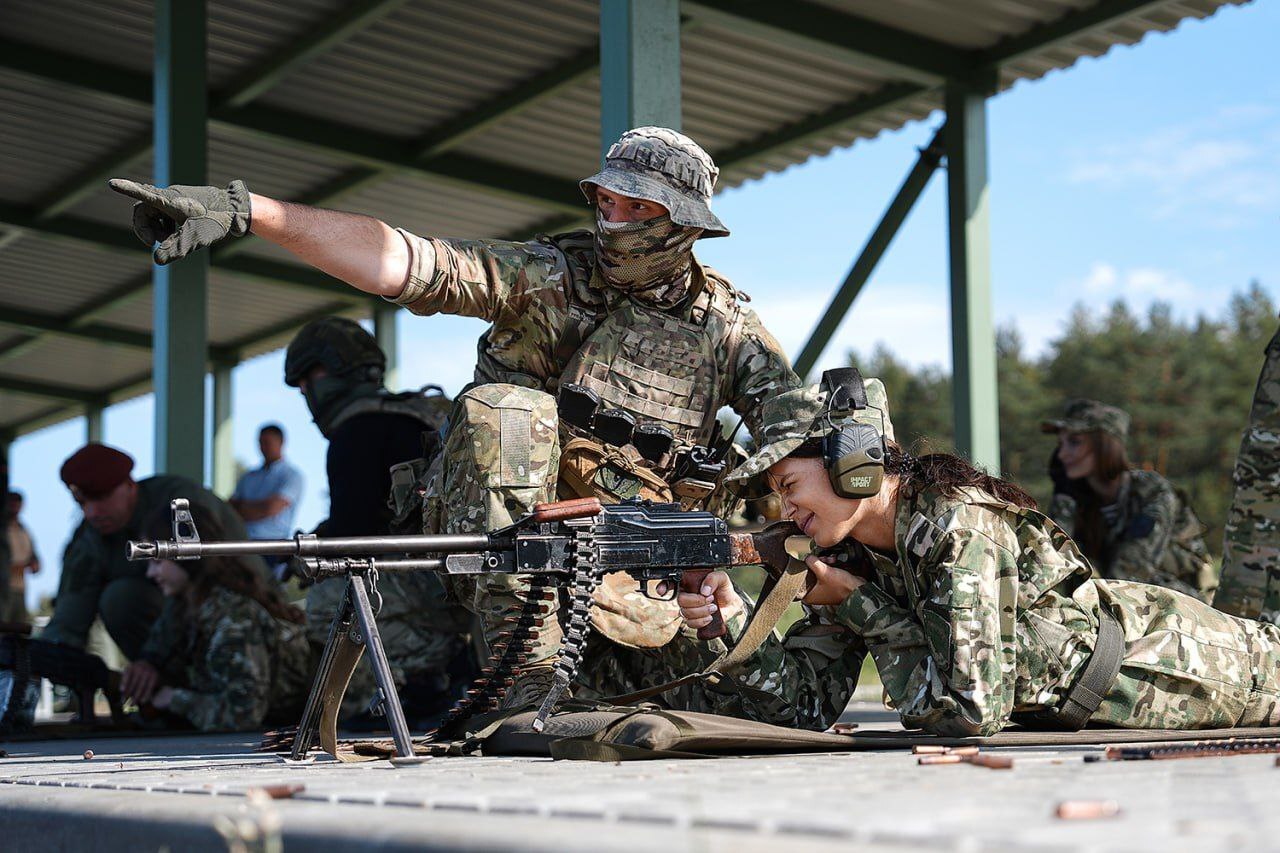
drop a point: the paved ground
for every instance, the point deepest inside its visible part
(151, 793)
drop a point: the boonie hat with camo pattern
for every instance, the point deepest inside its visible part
(662, 165)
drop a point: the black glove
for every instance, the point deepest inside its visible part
(183, 219)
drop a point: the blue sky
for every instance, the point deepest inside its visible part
(1151, 173)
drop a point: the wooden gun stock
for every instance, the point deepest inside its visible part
(566, 510)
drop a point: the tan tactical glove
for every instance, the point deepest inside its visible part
(183, 219)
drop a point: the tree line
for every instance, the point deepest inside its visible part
(1187, 385)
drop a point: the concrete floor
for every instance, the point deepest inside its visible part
(189, 793)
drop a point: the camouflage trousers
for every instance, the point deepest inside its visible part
(1187, 665)
(1250, 582)
(501, 457)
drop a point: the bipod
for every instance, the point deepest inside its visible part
(353, 630)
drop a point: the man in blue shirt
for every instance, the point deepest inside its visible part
(267, 497)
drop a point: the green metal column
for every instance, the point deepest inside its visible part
(384, 331)
(93, 423)
(181, 289)
(894, 215)
(639, 66)
(973, 340)
(224, 448)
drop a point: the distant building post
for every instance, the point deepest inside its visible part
(224, 446)
(639, 66)
(973, 342)
(181, 289)
(388, 338)
(93, 415)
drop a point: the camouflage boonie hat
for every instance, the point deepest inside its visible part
(789, 420)
(662, 165)
(1089, 415)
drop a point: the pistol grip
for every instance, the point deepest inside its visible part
(691, 581)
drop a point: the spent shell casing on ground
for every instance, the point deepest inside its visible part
(1087, 809)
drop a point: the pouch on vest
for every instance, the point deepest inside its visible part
(412, 510)
(590, 469)
(622, 612)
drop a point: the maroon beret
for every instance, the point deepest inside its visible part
(95, 469)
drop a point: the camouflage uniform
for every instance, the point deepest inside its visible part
(1250, 584)
(1155, 536)
(987, 612)
(239, 665)
(669, 341)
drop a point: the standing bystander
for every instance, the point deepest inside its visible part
(267, 497)
(22, 559)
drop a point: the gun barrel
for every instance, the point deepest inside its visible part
(306, 546)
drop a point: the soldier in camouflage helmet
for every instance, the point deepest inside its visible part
(1132, 524)
(1250, 583)
(977, 609)
(624, 311)
(351, 362)
(338, 367)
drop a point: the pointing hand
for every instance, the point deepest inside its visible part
(182, 219)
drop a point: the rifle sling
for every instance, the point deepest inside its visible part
(1098, 676)
(768, 613)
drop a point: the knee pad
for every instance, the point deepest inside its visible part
(501, 456)
(509, 431)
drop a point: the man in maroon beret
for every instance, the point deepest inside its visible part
(97, 581)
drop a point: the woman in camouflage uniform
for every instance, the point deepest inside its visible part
(243, 656)
(1132, 524)
(977, 609)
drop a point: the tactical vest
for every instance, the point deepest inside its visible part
(675, 369)
(428, 405)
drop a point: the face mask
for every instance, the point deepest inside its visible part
(327, 396)
(649, 260)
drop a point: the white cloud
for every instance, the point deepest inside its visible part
(1225, 168)
(1139, 284)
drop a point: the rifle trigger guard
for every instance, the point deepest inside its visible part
(672, 583)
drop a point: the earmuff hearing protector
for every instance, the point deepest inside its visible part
(854, 451)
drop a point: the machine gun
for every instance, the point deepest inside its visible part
(569, 543)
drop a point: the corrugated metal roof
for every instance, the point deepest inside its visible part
(270, 168)
(79, 364)
(119, 32)
(433, 60)
(60, 278)
(51, 133)
(237, 308)
(752, 96)
(21, 407)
